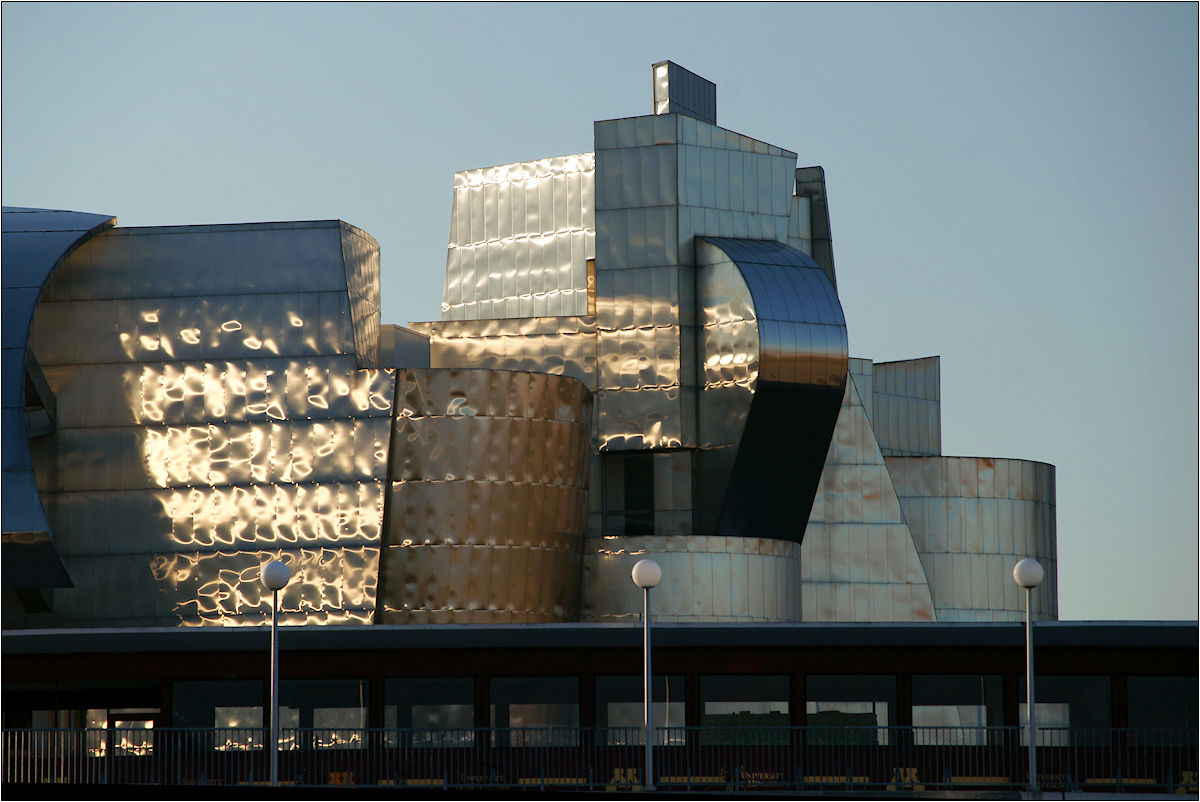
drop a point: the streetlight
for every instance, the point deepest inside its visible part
(1028, 574)
(275, 575)
(647, 574)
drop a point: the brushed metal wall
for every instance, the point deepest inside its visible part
(213, 415)
(488, 498)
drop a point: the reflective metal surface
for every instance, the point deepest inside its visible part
(401, 347)
(36, 241)
(563, 346)
(808, 228)
(973, 519)
(488, 498)
(661, 182)
(705, 578)
(858, 558)
(773, 342)
(520, 238)
(641, 352)
(212, 416)
(907, 414)
(679, 91)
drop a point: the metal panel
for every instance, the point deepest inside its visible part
(36, 242)
(705, 579)
(679, 91)
(518, 223)
(459, 432)
(995, 513)
(745, 279)
(212, 446)
(860, 542)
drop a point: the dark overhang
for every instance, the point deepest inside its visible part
(1089, 634)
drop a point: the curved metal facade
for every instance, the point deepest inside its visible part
(774, 354)
(36, 241)
(972, 519)
(488, 498)
(706, 578)
(212, 415)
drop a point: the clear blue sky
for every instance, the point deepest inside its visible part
(1013, 187)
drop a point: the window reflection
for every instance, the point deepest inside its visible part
(955, 710)
(437, 711)
(850, 709)
(322, 714)
(741, 702)
(541, 711)
(620, 707)
(1070, 711)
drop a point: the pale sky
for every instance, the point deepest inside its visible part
(1011, 187)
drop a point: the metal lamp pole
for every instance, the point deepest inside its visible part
(275, 575)
(647, 574)
(1028, 574)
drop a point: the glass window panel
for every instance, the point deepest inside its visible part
(131, 731)
(953, 710)
(239, 727)
(850, 709)
(620, 707)
(197, 704)
(1070, 710)
(440, 711)
(323, 714)
(1166, 705)
(639, 494)
(339, 727)
(745, 704)
(546, 708)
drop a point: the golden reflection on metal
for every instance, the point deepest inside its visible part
(681, 276)
(329, 586)
(559, 346)
(520, 238)
(488, 499)
(230, 428)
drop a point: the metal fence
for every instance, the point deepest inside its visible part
(685, 758)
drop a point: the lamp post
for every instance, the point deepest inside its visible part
(647, 574)
(275, 575)
(1028, 574)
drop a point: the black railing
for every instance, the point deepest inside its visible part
(685, 758)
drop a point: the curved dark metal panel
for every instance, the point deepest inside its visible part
(35, 243)
(788, 390)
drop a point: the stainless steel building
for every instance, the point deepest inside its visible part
(641, 352)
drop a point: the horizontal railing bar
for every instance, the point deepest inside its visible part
(735, 758)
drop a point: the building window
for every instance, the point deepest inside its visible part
(629, 494)
(850, 709)
(535, 711)
(1168, 704)
(746, 702)
(956, 710)
(436, 711)
(322, 714)
(620, 708)
(1070, 711)
(233, 709)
